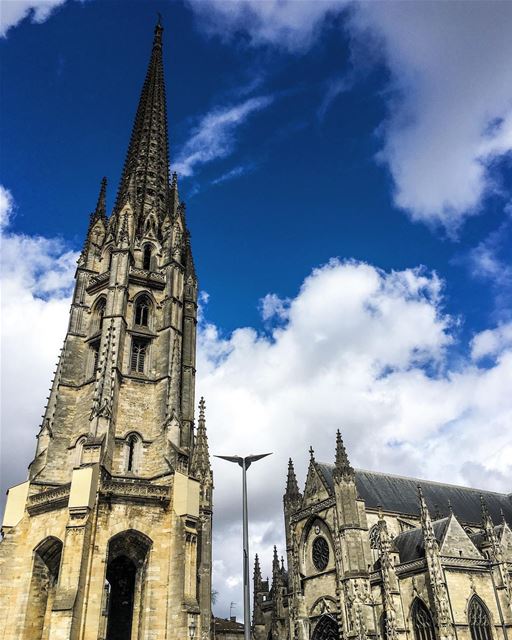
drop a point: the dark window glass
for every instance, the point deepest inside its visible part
(146, 259)
(139, 350)
(326, 629)
(422, 621)
(479, 623)
(132, 443)
(320, 553)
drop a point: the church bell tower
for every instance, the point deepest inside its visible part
(110, 537)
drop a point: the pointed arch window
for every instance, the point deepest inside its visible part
(326, 629)
(138, 356)
(142, 308)
(79, 447)
(422, 621)
(95, 356)
(133, 444)
(147, 254)
(98, 314)
(479, 622)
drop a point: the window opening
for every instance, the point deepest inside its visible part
(132, 444)
(479, 623)
(142, 312)
(320, 553)
(139, 350)
(422, 622)
(326, 629)
(146, 261)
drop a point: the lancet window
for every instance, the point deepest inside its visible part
(422, 621)
(133, 444)
(146, 257)
(142, 308)
(479, 623)
(98, 313)
(139, 355)
(95, 353)
(79, 447)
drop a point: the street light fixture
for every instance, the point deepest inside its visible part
(245, 463)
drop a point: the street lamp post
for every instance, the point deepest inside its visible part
(245, 463)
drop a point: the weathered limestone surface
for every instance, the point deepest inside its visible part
(111, 535)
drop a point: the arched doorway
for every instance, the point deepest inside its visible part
(43, 583)
(124, 589)
(326, 629)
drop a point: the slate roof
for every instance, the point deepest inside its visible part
(400, 495)
(410, 544)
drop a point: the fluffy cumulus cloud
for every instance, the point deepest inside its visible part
(36, 274)
(215, 136)
(365, 351)
(450, 93)
(357, 348)
(14, 11)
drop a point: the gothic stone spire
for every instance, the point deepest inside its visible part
(147, 160)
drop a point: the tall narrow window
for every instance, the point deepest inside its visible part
(146, 257)
(132, 453)
(479, 623)
(142, 311)
(139, 351)
(95, 348)
(98, 313)
(79, 447)
(422, 621)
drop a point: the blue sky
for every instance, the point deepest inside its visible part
(310, 186)
(347, 172)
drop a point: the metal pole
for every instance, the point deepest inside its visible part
(245, 463)
(247, 595)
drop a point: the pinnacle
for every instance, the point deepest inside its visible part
(200, 463)
(202, 407)
(342, 463)
(257, 569)
(275, 563)
(101, 206)
(292, 488)
(486, 518)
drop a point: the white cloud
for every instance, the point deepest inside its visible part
(215, 135)
(492, 342)
(451, 114)
(36, 275)
(14, 11)
(288, 24)
(357, 348)
(450, 104)
(367, 352)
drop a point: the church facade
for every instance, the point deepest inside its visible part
(373, 555)
(110, 537)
